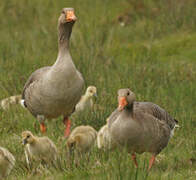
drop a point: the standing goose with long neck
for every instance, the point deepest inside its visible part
(140, 126)
(55, 90)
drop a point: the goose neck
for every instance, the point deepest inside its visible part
(129, 108)
(64, 33)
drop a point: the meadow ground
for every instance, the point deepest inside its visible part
(154, 54)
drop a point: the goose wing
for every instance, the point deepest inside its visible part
(157, 112)
(35, 76)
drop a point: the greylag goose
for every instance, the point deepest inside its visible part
(81, 139)
(141, 126)
(86, 100)
(7, 102)
(55, 90)
(7, 162)
(39, 148)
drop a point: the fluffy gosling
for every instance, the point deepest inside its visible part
(86, 100)
(82, 139)
(7, 162)
(7, 102)
(39, 148)
(104, 139)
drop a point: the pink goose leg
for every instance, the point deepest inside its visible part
(151, 162)
(67, 123)
(41, 120)
(134, 159)
(43, 127)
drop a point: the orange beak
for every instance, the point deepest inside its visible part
(71, 16)
(122, 102)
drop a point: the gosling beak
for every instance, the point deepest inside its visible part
(122, 102)
(71, 149)
(24, 141)
(71, 16)
(95, 94)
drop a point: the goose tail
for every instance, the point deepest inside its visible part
(175, 126)
(22, 103)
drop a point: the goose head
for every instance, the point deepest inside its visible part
(66, 21)
(67, 16)
(125, 98)
(27, 137)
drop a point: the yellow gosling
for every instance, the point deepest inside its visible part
(82, 139)
(39, 148)
(104, 138)
(86, 100)
(7, 102)
(7, 162)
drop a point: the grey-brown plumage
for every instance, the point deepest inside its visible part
(7, 162)
(157, 112)
(141, 126)
(55, 90)
(34, 77)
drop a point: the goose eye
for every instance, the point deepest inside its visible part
(128, 94)
(63, 12)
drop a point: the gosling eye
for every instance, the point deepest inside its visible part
(28, 136)
(63, 12)
(72, 145)
(128, 94)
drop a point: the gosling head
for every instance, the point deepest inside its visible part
(91, 91)
(73, 143)
(27, 137)
(125, 98)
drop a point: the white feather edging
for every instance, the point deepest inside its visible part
(172, 131)
(22, 103)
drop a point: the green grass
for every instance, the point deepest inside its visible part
(154, 54)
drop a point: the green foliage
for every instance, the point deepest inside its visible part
(153, 54)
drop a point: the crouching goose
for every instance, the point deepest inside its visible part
(39, 148)
(141, 127)
(7, 162)
(55, 90)
(82, 139)
(86, 100)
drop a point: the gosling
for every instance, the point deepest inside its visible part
(7, 162)
(39, 148)
(86, 101)
(82, 139)
(104, 140)
(6, 103)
